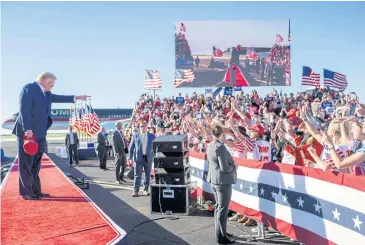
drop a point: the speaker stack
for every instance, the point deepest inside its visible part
(173, 191)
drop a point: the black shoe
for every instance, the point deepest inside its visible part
(43, 195)
(229, 234)
(120, 182)
(123, 180)
(31, 197)
(226, 240)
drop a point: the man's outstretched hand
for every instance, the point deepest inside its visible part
(82, 97)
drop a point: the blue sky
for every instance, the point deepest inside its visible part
(101, 49)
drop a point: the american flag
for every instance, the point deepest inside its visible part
(217, 52)
(250, 144)
(77, 115)
(334, 79)
(152, 79)
(309, 78)
(183, 76)
(305, 204)
(93, 122)
(279, 38)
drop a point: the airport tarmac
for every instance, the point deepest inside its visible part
(126, 211)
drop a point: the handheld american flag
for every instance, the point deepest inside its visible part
(152, 79)
(93, 122)
(309, 78)
(334, 79)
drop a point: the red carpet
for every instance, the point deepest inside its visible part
(240, 78)
(68, 217)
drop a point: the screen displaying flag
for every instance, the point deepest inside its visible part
(334, 79)
(217, 52)
(152, 79)
(183, 76)
(309, 78)
(279, 38)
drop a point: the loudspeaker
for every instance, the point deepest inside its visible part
(171, 161)
(174, 199)
(172, 178)
(171, 143)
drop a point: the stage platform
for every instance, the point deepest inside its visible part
(127, 212)
(67, 217)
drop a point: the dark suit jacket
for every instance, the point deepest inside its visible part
(222, 169)
(118, 144)
(35, 110)
(102, 142)
(76, 139)
(135, 148)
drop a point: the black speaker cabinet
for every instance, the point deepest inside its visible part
(179, 177)
(171, 143)
(171, 161)
(174, 199)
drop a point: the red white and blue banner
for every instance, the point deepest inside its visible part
(306, 204)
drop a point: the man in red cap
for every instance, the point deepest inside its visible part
(32, 123)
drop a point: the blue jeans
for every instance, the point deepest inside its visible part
(138, 167)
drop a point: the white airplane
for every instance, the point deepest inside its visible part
(60, 117)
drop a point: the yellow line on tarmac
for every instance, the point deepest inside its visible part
(112, 185)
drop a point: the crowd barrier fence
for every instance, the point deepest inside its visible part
(306, 204)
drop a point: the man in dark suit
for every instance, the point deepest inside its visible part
(120, 151)
(35, 119)
(102, 148)
(140, 151)
(72, 144)
(222, 175)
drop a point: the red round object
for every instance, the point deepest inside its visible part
(238, 47)
(30, 145)
(234, 68)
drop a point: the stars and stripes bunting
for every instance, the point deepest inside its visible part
(152, 79)
(334, 79)
(306, 204)
(309, 78)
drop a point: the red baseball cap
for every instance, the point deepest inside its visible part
(30, 145)
(258, 128)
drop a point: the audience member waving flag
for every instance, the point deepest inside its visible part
(309, 78)
(334, 79)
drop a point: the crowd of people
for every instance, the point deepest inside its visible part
(297, 129)
(322, 129)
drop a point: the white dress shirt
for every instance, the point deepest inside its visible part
(144, 143)
(72, 140)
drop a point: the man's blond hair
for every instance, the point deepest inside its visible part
(45, 75)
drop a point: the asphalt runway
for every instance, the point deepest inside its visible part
(126, 211)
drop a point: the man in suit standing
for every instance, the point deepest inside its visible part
(222, 175)
(72, 144)
(34, 120)
(120, 151)
(140, 151)
(103, 144)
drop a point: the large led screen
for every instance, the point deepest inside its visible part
(247, 53)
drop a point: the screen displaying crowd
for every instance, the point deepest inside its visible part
(232, 53)
(320, 129)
